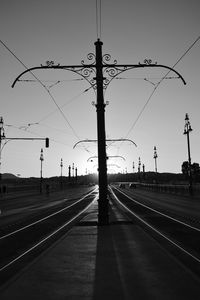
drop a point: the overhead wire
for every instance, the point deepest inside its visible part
(51, 81)
(158, 84)
(68, 102)
(154, 90)
(47, 90)
(98, 18)
(25, 128)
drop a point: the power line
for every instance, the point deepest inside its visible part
(25, 128)
(190, 47)
(68, 102)
(98, 18)
(53, 82)
(142, 110)
(145, 78)
(156, 86)
(47, 90)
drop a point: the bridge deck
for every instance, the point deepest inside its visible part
(119, 261)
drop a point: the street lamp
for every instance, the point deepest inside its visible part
(155, 156)
(69, 173)
(143, 171)
(187, 130)
(133, 167)
(41, 160)
(76, 174)
(2, 136)
(73, 171)
(61, 167)
(139, 169)
(139, 164)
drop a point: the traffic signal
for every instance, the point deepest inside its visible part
(47, 142)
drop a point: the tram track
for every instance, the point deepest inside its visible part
(20, 246)
(177, 236)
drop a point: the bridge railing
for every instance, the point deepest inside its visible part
(178, 189)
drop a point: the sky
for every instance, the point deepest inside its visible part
(33, 32)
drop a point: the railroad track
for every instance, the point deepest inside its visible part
(20, 246)
(178, 237)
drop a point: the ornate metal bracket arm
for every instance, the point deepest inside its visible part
(113, 70)
(107, 140)
(50, 63)
(87, 71)
(148, 61)
(83, 141)
(121, 140)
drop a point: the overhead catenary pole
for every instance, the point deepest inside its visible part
(103, 214)
(94, 73)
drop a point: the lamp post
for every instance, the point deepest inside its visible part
(187, 130)
(2, 136)
(139, 164)
(139, 169)
(69, 173)
(73, 171)
(143, 171)
(61, 168)
(133, 167)
(155, 156)
(99, 72)
(41, 162)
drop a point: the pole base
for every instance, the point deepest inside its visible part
(103, 220)
(103, 215)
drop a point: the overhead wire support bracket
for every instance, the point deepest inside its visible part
(107, 140)
(109, 156)
(87, 71)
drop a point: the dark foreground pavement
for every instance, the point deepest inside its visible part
(119, 261)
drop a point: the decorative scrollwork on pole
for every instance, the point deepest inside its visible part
(148, 61)
(50, 63)
(88, 71)
(90, 56)
(110, 72)
(106, 58)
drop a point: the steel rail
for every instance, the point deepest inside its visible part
(158, 212)
(153, 228)
(47, 217)
(3, 268)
